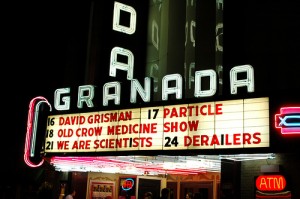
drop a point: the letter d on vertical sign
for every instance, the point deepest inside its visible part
(116, 20)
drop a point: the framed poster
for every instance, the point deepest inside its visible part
(101, 189)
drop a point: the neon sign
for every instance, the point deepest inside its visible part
(32, 121)
(288, 120)
(271, 183)
(112, 90)
(127, 184)
(86, 93)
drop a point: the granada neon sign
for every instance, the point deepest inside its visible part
(187, 126)
(86, 93)
(112, 90)
(288, 121)
(271, 183)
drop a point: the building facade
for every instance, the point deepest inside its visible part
(166, 79)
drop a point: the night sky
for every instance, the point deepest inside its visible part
(37, 38)
(41, 38)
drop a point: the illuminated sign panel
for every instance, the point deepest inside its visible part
(240, 123)
(127, 183)
(271, 183)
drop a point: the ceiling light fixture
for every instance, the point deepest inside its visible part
(150, 165)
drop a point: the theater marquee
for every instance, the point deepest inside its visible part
(240, 123)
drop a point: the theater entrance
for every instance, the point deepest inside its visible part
(201, 190)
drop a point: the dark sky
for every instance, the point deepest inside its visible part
(36, 37)
(39, 36)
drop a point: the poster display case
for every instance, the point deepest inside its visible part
(101, 189)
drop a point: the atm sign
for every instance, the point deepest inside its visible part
(270, 183)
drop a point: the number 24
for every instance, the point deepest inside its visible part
(170, 142)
